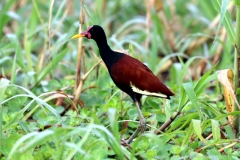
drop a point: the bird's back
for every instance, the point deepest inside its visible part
(131, 75)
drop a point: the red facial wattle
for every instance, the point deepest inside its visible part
(88, 35)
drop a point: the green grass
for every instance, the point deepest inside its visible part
(38, 63)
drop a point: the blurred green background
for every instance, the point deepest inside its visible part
(179, 40)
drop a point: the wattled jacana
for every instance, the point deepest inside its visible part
(129, 74)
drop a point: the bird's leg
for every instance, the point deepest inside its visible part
(142, 122)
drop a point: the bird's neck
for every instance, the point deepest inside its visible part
(104, 49)
(107, 54)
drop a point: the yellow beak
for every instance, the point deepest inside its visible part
(78, 36)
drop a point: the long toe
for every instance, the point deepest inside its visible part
(133, 135)
(141, 128)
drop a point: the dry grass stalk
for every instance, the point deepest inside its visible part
(220, 47)
(70, 6)
(166, 23)
(61, 21)
(149, 5)
(79, 88)
(80, 52)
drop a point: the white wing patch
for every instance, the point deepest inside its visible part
(137, 90)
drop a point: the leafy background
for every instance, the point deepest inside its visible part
(184, 42)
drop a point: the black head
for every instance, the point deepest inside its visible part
(94, 32)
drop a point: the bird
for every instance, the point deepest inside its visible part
(129, 74)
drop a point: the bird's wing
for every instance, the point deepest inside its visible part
(130, 72)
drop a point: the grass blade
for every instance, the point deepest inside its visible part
(227, 21)
(3, 85)
(198, 129)
(192, 97)
(13, 74)
(223, 11)
(215, 130)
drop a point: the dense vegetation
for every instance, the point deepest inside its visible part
(57, 100)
